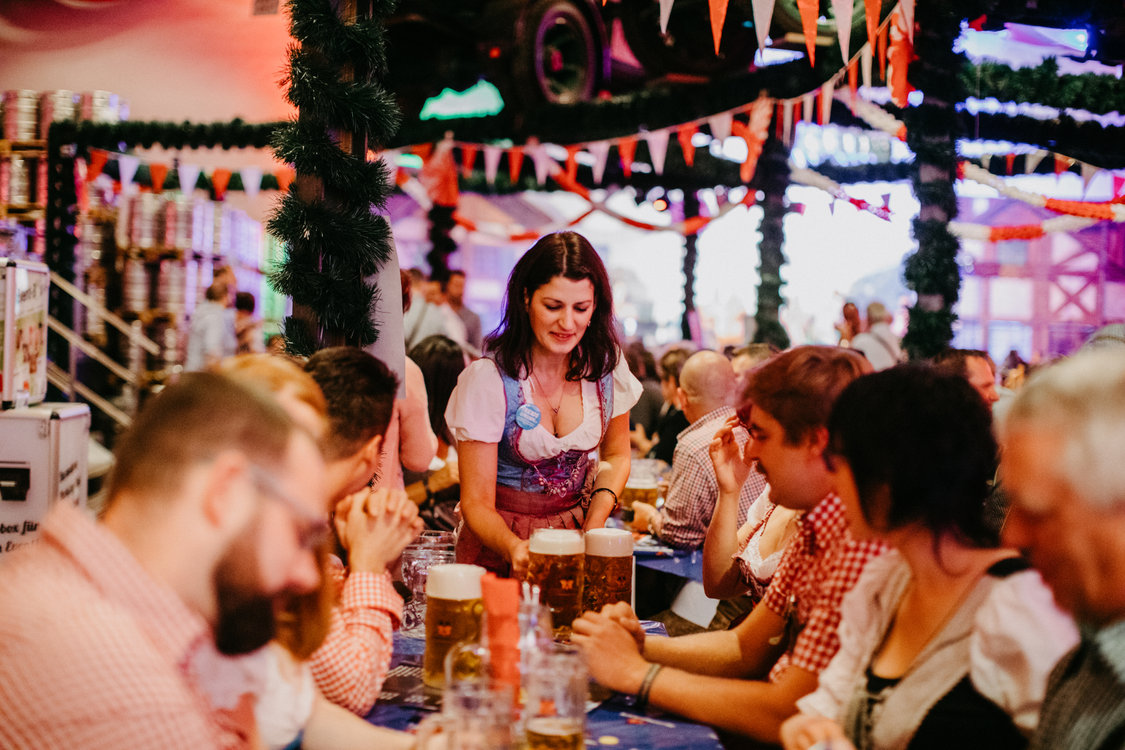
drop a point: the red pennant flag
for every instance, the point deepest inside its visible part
(423, 150)
(1009, 161)
(796, 111)
(515, 163)
(1061, 165)
(98, 159)
(627, 148)
(872, 9)
(853, 81)
(285, 177)
(718, 17)
(779, 121)
(401, 177)
(902, 52)
(220, 179)
(157, 172)
(810, 11)
(572, 161)
(881, 52)
(1118, 183)
(468, 156)
(683, 135)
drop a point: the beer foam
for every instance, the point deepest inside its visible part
(609, 542)
(454, 581)
(556, 542)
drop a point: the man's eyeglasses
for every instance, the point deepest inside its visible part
(313, 529)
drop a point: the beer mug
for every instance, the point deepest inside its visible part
(556, 563)
(453, 614)
(429, 549)
(555, 712)
(609, 568)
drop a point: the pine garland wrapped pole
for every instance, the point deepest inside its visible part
(691, 257)
(773, 178)
(334, 241)
(932, 129)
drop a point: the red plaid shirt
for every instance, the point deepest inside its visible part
(693, 489)
(820, 564)
(95, 653)
(351, 664)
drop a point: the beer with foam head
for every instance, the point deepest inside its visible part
(609, 568)
(555, 733)
(556, 562)
(453, 614)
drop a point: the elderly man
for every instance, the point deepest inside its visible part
(706, 392)
(973, 365)
(747, 680)
(215, 509)
(1064, 468)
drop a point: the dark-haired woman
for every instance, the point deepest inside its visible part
(553, 391)
(948, 639)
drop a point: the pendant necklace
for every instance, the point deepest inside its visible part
(554, 409)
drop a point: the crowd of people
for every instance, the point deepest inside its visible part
(916, 561)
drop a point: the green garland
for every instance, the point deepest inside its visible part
(1044, 84)
(334, 242)
(120, 136)
(932, 130)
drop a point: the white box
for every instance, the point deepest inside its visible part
(43, 461)
(23, 337)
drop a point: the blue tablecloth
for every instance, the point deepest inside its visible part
(614, 722)
(688, 565)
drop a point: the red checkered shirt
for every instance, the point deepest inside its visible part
(693, 489)
(351, 664)
(821, 563)
(95, 653)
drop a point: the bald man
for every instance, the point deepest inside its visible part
(707, 391)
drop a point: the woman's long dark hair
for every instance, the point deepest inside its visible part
(570, 255)
(441, 360)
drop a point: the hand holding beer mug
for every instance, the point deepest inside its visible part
(556, 563)
(453, 614)
(609, 568)
(555, 713)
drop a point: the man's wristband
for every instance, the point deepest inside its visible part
(646, 685)
(613, 494)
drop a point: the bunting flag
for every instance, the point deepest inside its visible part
(1111, 211)
(763, 16)
(906, 7)
(251, 180)
(189, 176)
(985, 160)
(1062, 164)
(1118, 183)
(515, 164)
(157, 174)
(1088, 171)
(572, 161)
(665, 14)
(1066, 224)
(865, 65)
(599, 150)
(657, 141)
(127, 168)
(901, 54)
(843, 10)
(826, 90)
(853, 83)
(1032, 160)
(718, 18)
(810, 11)
(720, 125)
(808, 101)
(284, 176)
(468, 156)
(439, 174)
(872, 9)
(684, 136)
(220, 181)
(98, 159)
(787, 121)
(627, 148)
(540, 159)
(1009, 163)
(881, 50)
(492, 156)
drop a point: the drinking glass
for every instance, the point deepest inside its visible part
(557, 564)
(429, 549)
(555, 711)
(453, 614)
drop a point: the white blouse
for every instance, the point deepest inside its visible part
(477, 406)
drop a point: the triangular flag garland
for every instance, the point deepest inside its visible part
(843, 11)
(687, 148)
(763, 15)
(665, 14)
(718, 9)
(810, 12)
(492, 156)
(157, 174)
(657, 141)
(627, 148)
(599, 150)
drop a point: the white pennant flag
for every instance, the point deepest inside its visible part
(665, 14)
(492, 156)
(600, 151)
(127, 168)
(657, 148)
(985, 160)
(763, 14)
(843, 10)
(907, 9)
(1088, 172)
(808, 101)
(826, 91)
(188, 174)
(1031, 161)
(787, 121)
(865, 59)
(251, 180)
(540, 159)
(720, 125)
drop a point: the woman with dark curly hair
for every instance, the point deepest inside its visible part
(947, 640)
(553, 389)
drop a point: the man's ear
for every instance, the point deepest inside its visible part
(224, 502)
(371, 454)
(817, 440)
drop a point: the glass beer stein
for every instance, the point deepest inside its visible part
(609, 568)
(453, 614)
(556, 563)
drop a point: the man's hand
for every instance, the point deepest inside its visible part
(729, 458)
(375, 526)
(643, 513)
(611, 651)
(802, 731)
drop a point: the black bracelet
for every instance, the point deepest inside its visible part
(616, 503)
(646, 685)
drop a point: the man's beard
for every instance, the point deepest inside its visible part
(246, 620)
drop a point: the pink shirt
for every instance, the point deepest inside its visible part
(95, 653)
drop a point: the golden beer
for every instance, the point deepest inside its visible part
(556, 562)
(609, 568)
(640, 491)
(453, 614)
(555, 733)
